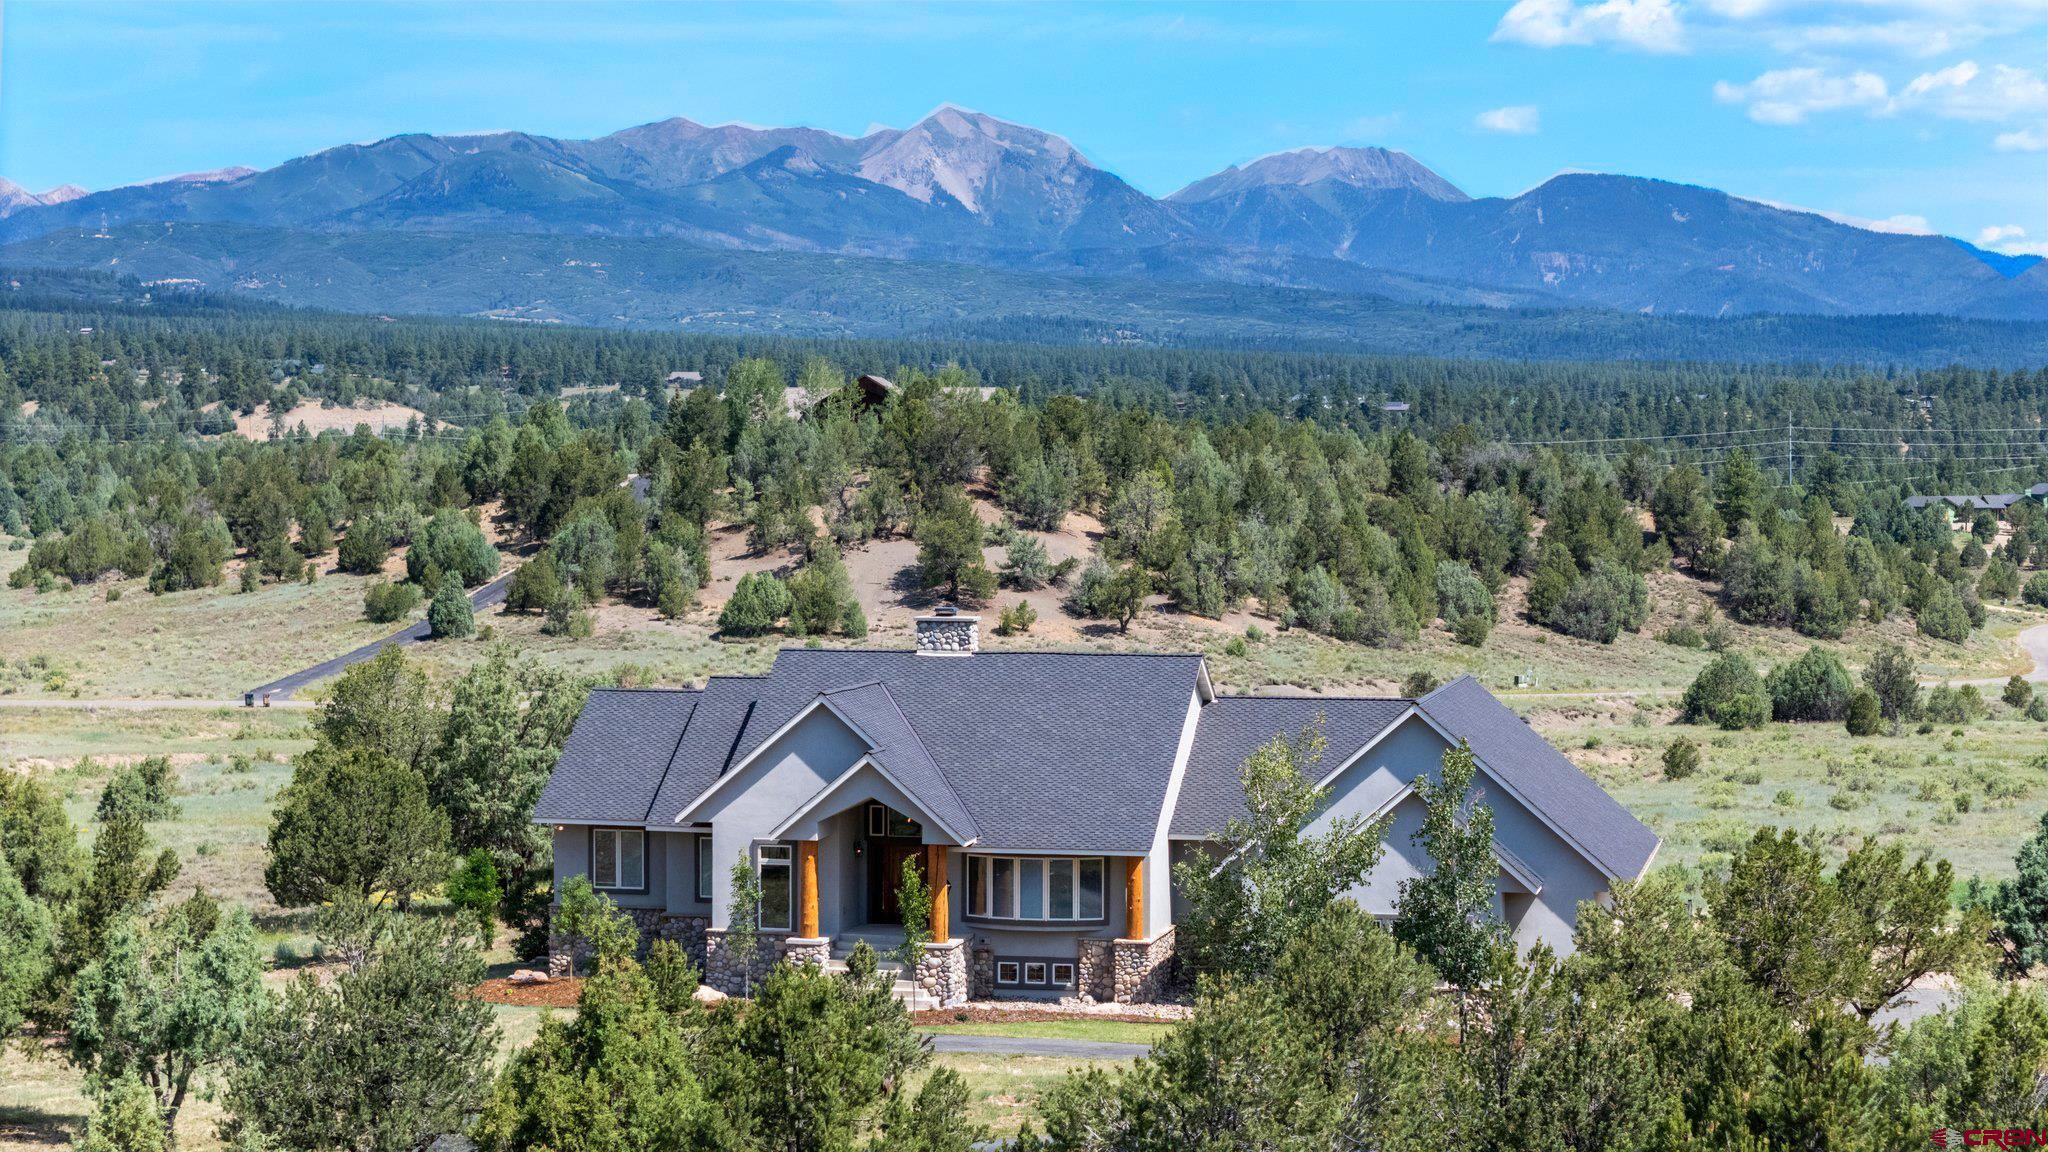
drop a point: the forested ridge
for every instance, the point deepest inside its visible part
(1294, 482)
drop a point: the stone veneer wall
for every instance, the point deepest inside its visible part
(652, 923)
(723, 972)
(1142, 968)
(1095, 969)
(807, 950)
(1123, 971)
(942, 971)
(948, 633)
(981, 973)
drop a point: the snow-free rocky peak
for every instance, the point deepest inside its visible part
(961, 154)
(1369, 168)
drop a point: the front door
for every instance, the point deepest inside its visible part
(885, 874)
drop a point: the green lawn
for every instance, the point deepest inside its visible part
(1003, 1091)
(1078, 1028)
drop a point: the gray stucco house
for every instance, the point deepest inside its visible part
(1048, 796)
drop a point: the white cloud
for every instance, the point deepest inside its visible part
(1790, 95)
(1961, 91)
(1952, 77)
(1900, 37)
(1966, 93)
(2024, 140)
(1514, 120)
(1645, 25)
(2010, 239)
(1809, 31)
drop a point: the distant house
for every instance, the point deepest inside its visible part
(1046, 796)
(1996, 503)
(685, 380)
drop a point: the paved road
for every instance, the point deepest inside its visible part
(137, 705)
(489, 596)
(1036, 1046)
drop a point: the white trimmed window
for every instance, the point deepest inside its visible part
(618, 858)
(1053, 888)
(705, 869)
(778, 887)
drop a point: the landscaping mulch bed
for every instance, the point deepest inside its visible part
(559, 993)
(984, 1014)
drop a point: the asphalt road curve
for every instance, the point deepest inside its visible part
(489, 596)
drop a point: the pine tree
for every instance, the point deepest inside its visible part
(167, 1002)
(386, 1056)
(449, 616)
(28, 943)
(2022, 902)
(949, 538)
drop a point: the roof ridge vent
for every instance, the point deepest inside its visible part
(948, 632)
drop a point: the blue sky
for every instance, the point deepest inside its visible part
(1929, 113)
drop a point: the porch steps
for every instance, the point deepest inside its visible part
(901, 985)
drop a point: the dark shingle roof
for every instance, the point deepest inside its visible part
(1530, 767)
(709, 745)
(616, 754)
(1044, 749)
(1233, 727)
(1041, 750)
(873, 712)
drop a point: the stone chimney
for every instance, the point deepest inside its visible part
(948, 633)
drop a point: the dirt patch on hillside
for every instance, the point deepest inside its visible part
(318, 419)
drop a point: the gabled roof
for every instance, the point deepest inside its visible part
(1039, 750)
(1233, 727)
(1537, 774)
(705, 749)
(896, 749)
(613, 762)
(1043, 750)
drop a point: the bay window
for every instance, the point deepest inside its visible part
(618, 858)
(1035, 888)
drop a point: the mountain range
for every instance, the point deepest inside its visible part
(963, 188)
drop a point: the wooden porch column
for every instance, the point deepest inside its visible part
(1134, 897)
(807, 882)
(942, 891)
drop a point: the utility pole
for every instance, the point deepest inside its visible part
(1788, 453)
